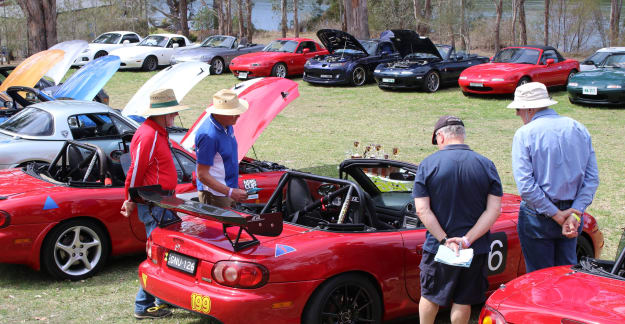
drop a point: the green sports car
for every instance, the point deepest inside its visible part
(604, 85)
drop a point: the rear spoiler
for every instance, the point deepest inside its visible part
(269, 224)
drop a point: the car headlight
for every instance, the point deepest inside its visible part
(406, 72)
(376, 71)
(307, 64)
(255, 64)
(490, 316)
(613, 86)
(497, 79)
(462, 78)
(573, 84)
(337, 64)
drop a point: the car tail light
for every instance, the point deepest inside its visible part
(240, 274)
(5, 219)
(490, 316)
(151, 250)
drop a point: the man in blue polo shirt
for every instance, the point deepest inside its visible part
(457, 195)
(216, 151)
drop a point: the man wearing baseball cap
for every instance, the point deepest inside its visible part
(555, 169)
(151, 164)
(216, 150)
(457, 195)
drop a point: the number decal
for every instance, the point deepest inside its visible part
(249, 184)
(498, 253)
(200, 303)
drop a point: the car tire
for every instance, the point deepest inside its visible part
(150, 64)
(523, 81)
(347, 297)
(75, 250)
(279, 70)
(359, 76)
(568, 78)
(584, 248)
(466, 94)
(217, 66)
(100, 54)
(432, 81)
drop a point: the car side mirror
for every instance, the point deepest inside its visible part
(589, 62)
(175, 45)
(194, 178)
(126, 42)
(459, 57)
(550, 61)
(240, 47)
(490, 59)
(306, 51)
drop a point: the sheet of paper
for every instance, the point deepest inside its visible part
(448, 256)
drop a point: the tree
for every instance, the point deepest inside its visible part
(41, 23)
(184, 24)
(283, 22)
(178, 15)
(241, 19)
(615, 18)
(228, 18)
(295, 19)
(250, 28)
(522, 22)
(499, 9)
(357, 18)
(546, 22)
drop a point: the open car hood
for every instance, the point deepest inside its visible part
(72, 50)
(334, 39)
(407, 41)
(181, 78)
(89, 80)
(266, 97)
(32, 69)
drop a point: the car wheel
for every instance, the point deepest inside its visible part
(279, 70)
(568, 78)
(150, 63)
(523, 81)
(217, 66)
(348, 298)
(100, 54)
(584, 248)
(75, 250)
(359, 76)
(432, 81)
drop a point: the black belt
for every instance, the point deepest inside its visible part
(563, 204)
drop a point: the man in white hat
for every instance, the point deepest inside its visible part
(151, 164)
(216, 151)
(555, 169)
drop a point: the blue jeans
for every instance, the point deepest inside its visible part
(542, 242)
(144, 300)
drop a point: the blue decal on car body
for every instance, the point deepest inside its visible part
(283, 249)
(50, 204)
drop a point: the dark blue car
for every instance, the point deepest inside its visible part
(350, 61)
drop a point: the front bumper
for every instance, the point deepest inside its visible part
(326, 76)
(481, 86)
(249, 72)
(604, 96)
(82, 60)
(131, 63)
(275, 302)
(398, 81)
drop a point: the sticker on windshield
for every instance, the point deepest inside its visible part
(283, 249)
(50, 204)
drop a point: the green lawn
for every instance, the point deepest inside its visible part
(314, 133)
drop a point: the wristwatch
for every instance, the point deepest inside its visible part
(444, 240)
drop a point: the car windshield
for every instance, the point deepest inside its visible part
(370, 46)
(443, 50)
(615, 60)
(31, 122)
(287, 46)
(419, 56)
(598, 57)
(219, 41)
(517, 55)
(154, 41)
(108, 38)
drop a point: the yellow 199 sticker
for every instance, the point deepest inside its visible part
(200, 303)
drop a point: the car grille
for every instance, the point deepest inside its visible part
(484, 89)
(123, 64)
(597, 97)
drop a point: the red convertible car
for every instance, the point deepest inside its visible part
(321, 250)
(591, 292)
(281, 58)
(514, 66)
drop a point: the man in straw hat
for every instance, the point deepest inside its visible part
(216, 151)
(151, 164)
(555, 170)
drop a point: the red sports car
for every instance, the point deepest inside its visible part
(282, 57)
(514, 66)
(591, 292)
(348, 250)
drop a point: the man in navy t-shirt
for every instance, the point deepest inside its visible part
(216, 151)
(457, 195)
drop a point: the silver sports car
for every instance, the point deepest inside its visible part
(217, 51)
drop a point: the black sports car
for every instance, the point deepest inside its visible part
(350, 61)
(423, 65)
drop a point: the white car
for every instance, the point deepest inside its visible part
(105, 43)
(152, 51)
(594, 60)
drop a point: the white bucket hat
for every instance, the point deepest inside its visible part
(163, 102)
(226, 102)
(531, 95)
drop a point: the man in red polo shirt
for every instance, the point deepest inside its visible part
(151, 164)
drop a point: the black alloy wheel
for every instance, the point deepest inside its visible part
(359, 76)
(100, 54)
(584, 248)
(432, 81)
(279, 70)
(522, 81)
(150, 63)
(217, 66)
(345, 299)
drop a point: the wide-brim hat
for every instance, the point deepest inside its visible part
(226, 102)
(163, 102)
(531, 95)
(444, 121)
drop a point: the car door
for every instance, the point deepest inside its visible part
(101, 129)
(166, 53)
(549, 74)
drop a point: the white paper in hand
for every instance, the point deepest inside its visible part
(448, 256)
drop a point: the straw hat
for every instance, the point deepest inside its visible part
(531, 95)
(163, 102)
(226, 102)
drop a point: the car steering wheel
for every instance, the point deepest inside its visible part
(356, 216)
(14, 93)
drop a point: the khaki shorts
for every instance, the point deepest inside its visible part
(209, 198)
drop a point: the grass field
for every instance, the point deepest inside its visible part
(314, 133)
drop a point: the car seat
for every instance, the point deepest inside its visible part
(298, 196)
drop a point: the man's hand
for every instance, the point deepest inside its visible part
(238, 195)
(128, 207)
(571, 224)
(455, 244)
(562, 215)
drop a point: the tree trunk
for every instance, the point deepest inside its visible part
(463, 25)
(499, 9)
(250, 28)
(218, 7)
(615, 18)
(522, 22)
(228, 17)
(357, 20)
(546, 22)
(241, 19)
(283, 21)
(41, 24)
(184, 24)
(416, 6)
(295, 18)
(343, 16)
(515, 10)
(424, 27)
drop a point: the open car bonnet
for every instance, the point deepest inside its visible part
(72, 50)
(32, 69)
(266, 97)
(334, 39)
(407, 41)
(181, 78)
(89, 80)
